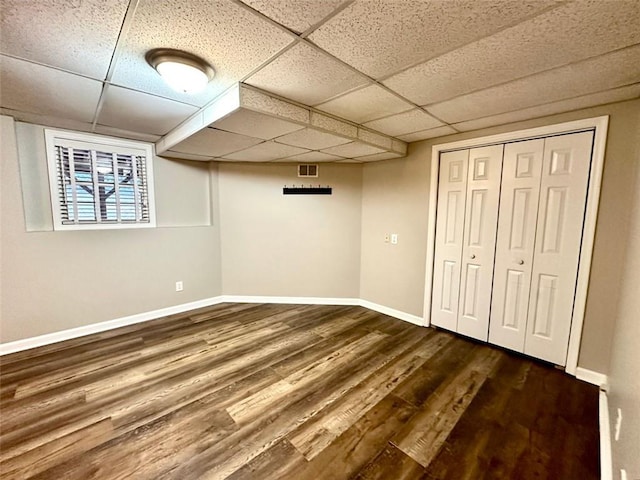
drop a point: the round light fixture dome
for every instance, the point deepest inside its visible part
(182, 71)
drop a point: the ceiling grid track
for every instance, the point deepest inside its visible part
(127, 21)
(303, 38)
(481, 37)
(470, 92)
(568, 99)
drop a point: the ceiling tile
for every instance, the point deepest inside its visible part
(585, 101)
(366, 104)
(353, 149)
(42, 90)
(49, 32)
(380, 156)
(430, 133)
(381, 37)
(141, 112)
(186, 156)
(314, 157)
(247, 122)
(601, 73)
(566, 34)
(265, 152)
(215, 143)
(407, 122)
(231, 38)
(312, 139)
(307, 75)
(297, 16)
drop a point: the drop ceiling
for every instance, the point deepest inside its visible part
(313, 80)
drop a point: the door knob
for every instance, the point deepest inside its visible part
(520, 262)
(472, 256)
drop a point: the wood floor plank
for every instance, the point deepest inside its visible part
(419, 386)
(351, 451)
(392, 463)
(316, 351)
(172, 366)
(425, 434)
(11, 377)
(278, 462)
(256, 437)
(289, 392)
(46, 455)
(333, 327)
(314, 436)
(285, 389)
(188, 429)
(151, 404)
(465, 454)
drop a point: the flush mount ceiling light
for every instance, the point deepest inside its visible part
(182, 71)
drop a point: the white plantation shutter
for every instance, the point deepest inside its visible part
(99, 184)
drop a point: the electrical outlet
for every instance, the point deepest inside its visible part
(179, 286)
(394, 238)
(386, 238)
(618, 425)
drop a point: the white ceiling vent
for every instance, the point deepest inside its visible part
(307, 170)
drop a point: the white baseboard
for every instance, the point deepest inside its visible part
(407, 317)
(55, 337)
(290, 300)
(606, 464)
(589, 376)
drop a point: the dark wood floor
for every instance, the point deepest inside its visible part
(290, 392)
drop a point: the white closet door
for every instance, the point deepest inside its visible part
(481, 218)
(452, 189)
(521, 172)
(563, 191)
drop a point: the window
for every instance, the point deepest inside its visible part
(99, 182)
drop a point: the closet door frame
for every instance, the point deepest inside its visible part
(599, 126)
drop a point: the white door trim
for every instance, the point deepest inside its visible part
(600, 126)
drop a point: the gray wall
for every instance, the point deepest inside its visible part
(52, 281)
(395, 198)
(264, 243)
(270, 244)
(290, 245)
(624, 378)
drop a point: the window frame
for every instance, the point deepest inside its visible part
(90, 141)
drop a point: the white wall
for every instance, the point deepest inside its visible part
(53, 281)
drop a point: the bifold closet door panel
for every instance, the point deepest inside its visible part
(479, 242)
(563, 192)
(521, 172)
(452, 190)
